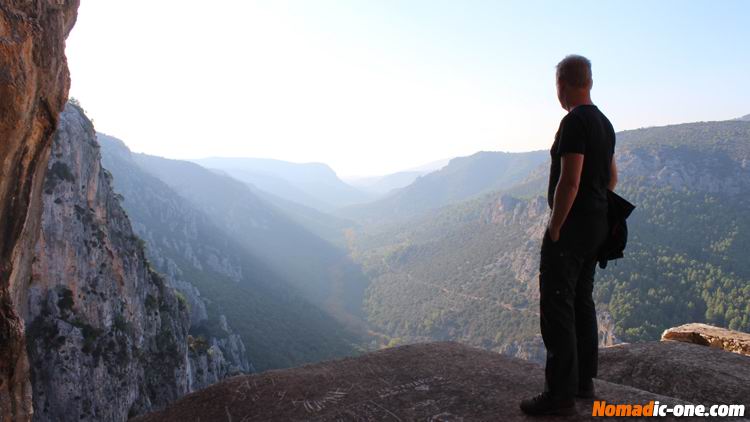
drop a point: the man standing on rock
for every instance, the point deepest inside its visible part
(582, 169)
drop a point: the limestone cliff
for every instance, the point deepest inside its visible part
(106, 335)
(34, 84)
(176, 244)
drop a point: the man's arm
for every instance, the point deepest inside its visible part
(612, 175)
(565, 191)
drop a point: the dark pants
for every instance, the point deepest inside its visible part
(567, 311)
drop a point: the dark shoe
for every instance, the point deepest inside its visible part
(544, 404)
(586, 389)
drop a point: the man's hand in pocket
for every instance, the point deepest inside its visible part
(554, 233)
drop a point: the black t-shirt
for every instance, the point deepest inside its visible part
(585, 130)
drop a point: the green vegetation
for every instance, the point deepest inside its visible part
(439, 278)
(686, 262)
(90, 337)
(152, 304)
(269, 322)
(121, 324)
(468, 271)
(198, 344)
(182, 300)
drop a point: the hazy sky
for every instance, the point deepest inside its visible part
(371, 87)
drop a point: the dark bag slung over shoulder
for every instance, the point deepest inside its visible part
(619, 209)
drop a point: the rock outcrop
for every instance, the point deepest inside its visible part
(214, 353)
(216, 358)
(708, 335)
(443, 381)
(34, 83)
(698, 374)
(106, 335)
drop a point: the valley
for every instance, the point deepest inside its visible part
(462, 265)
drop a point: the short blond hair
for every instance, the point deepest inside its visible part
(575, 71)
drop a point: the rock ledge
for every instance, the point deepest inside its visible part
(443, 381)
(708, 335)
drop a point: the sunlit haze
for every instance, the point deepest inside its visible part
(380, 86)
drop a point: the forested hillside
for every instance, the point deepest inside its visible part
(463, 178)
(687, 258)
(468, 271)
(464, 273)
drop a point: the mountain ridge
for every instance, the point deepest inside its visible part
(319, 269)
(313, 184)
(188, 244)
(463, 178)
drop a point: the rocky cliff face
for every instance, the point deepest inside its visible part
(34, 84)
(106, 335)
(214, 352)
(176, 249)
(710, 157)
(218, 357)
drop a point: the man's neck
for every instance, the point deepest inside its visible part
(578, 99)
(578, 104)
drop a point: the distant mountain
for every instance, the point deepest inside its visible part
(431, 166)
(312, 184)
(381, 185)
(213, 246)
(745, 118)
(461, 179)
(322, 272)
(324, 225)
(468, 271)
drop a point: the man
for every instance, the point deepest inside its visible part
(582, 169)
